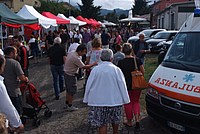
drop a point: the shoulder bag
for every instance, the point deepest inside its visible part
(138, 81)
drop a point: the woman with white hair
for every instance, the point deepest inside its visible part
(106, 93)
(57, 57)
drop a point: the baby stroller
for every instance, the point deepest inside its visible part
(32, 104)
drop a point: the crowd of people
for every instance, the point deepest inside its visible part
(100, 55)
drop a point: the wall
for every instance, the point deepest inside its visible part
(160, 6)
(172, 18)
(18, 4)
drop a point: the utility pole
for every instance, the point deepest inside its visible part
(69, 9)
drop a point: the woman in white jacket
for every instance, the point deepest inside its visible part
(106, 93)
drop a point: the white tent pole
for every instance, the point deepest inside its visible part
(1, 37)
(39, 34)
(24, 40)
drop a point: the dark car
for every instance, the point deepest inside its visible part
(165, 46)
(160, 37)
(149, 33)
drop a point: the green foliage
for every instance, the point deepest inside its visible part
(140, 7)
(112, 17)
(55, 8)
(88, 10)
(151, 64)
(122, 16)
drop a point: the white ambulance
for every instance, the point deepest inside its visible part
(173, 95)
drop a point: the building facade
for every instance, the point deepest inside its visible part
(175, 15)
(161, 5)
(16, 5)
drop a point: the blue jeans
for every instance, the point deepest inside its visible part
(58, 78)
(17, 102)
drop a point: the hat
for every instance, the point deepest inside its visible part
(57, 40)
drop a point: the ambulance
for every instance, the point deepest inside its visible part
(173, 95)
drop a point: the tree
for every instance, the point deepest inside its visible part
(88, 10)
(122, 16)
(140, 7)
(55, 8)
(112, 17)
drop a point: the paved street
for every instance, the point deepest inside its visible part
(63, 122)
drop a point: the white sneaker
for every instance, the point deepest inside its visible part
(72, 108)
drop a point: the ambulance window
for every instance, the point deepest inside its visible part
(185, 48)
(177, 48)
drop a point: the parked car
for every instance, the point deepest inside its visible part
(163, 50)
(149, 33)
(160, 37)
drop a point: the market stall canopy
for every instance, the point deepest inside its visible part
(95, 23)
(107, 23)
(84, 19)
(10, 18)
(71, 21)
(81, 18)
(29, 12)
(80, 23)
(88, 21)
(102, 25)
(133, 19)
(58, 20)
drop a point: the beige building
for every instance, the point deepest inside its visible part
(16, 5)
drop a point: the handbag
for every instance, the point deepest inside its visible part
(138, 81)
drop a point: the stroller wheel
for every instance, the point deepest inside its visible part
(48, 113)
(36, 122)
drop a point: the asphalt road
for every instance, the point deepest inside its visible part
(63, 122)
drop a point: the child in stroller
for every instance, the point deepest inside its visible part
(32, 104)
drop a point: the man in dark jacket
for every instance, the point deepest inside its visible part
(57, 57)
(141, 47)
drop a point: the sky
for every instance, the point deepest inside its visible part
(107, 4)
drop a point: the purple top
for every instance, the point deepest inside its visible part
(86, 37)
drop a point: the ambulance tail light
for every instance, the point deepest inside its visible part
(152, 92)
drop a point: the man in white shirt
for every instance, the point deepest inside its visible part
(97, 34)
(74, 46)
(72, 63)
(105, 93)
(78, 35)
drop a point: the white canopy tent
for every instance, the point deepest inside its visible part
(80, 23)
(102, 25)
(72, 22)
(107, 23)
(28, 12)
(132, 19)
